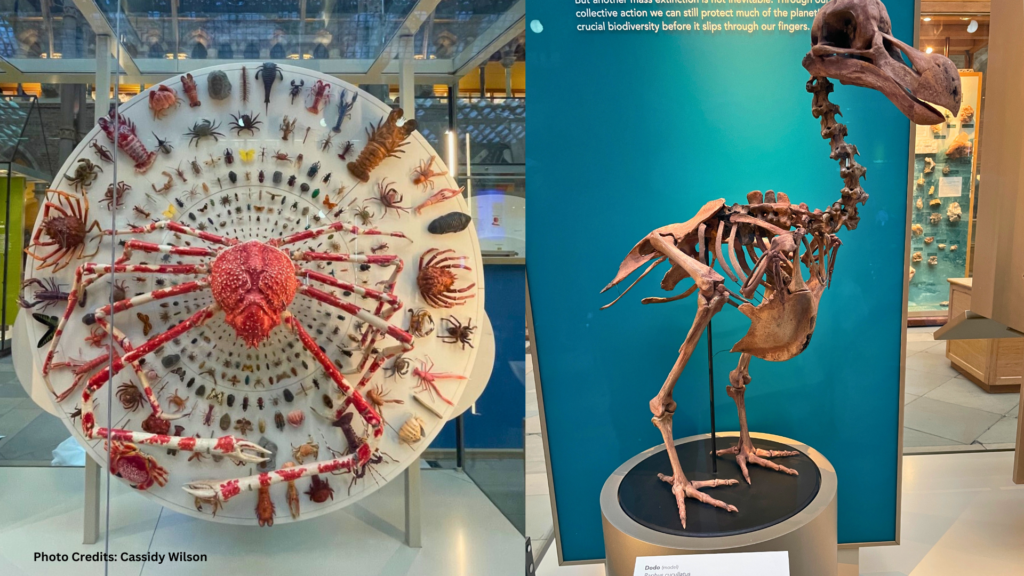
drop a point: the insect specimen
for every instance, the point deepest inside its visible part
(196, 168)
(51, 323)
(163, 145)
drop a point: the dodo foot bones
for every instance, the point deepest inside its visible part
(750, 455)
(686, 489)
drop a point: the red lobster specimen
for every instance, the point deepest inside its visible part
(189, 85)
(318, 97)
(127, 140)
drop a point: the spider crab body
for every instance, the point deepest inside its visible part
(254, 283)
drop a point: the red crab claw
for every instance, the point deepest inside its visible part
(238, 450)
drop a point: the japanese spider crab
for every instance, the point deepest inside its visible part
(437, 281)
(851, 41)
(252, 285)
(67, 230)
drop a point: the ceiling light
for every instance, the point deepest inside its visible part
(928, 50)
(927, 19)
(972, 27)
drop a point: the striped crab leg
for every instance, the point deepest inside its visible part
(132, 245)
(177, 228)
(335, 227)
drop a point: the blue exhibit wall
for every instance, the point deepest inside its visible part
(498, 423)
(633, 131)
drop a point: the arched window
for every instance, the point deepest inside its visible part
(252, 51)
(320, 52)
(156, 50)
(277, 51)
(199, 51)
(225, 51)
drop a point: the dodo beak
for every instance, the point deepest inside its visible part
(913, 80)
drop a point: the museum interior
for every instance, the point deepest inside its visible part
(275, 223)
(947, 436)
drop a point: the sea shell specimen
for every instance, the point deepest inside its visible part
(945, 170)
(929, 165)
(934, 218)
(912, 272)
(218, 85)
(916, 257)
(935, 202)
(953, 247)
(954, 212)
(933, 260)
(931, 191)
(942, 246)
(929, 239)
(917, 229)
(944, 303)
(960, 147)
(296, 418)
(920, 182)
(936, 128)
(966, 114)
(412, 431)
(920, 204)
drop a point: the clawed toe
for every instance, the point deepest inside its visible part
(685, 489)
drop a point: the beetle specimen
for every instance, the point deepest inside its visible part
(313, 169)
(203, 129)
(457, 333)
(196, 168)
(163, 145)
(246, 123)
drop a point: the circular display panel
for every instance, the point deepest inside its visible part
(295, 293)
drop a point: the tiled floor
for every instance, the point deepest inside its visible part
(28, 435)
(463, 533)
(944, 410)
(961, 516)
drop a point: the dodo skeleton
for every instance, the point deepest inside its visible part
(851, 41)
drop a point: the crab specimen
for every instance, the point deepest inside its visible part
(363, 214)
(457, 333)
(851, 41)
(130, 397)
(424, 174)
(203, 129)
(138, 468)
(127, 140)
(85, 174)
(420, 323)
(389, 198)
(436, 280)
(308, 450)
(67, 231)
(162, 99)
(246, 123)
(177, 401)
(252, 285)
(113, 198)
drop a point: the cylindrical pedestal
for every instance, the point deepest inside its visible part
(806, 530)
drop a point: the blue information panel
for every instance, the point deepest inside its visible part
(637, 125)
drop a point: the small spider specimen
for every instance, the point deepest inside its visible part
(459, 334)
(203, 129)
(113, 198)
(246, 123)
(130, 397)
(389, 198)
(400, 367)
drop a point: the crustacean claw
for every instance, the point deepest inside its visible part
(203, 490)
(241, 452)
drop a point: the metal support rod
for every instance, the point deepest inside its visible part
(460, 443)
(91, 525)
(413, 517)
(102, 98)
(407, 77)
(711, 390)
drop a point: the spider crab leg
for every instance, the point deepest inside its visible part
(132, 245)
(85, 275)
(238, 450)
(335, 227)
(177, 228)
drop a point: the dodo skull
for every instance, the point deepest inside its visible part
(852, 41)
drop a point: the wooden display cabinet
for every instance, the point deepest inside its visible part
(996, 366)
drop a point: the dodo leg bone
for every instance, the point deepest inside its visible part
(744, 449)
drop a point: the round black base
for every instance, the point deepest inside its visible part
(771, 498)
